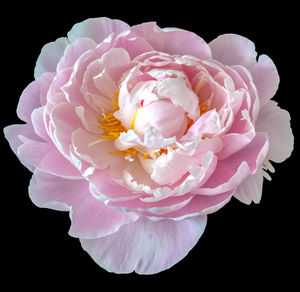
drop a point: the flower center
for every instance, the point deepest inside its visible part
(113, 129)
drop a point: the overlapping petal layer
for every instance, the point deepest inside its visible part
(140, 132)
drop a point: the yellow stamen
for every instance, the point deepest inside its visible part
(134, 117)
(110, 124)
(115, 103)
(113, 129)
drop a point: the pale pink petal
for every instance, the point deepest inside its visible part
(201, 205)
(134, 46)
(37, 117)
(61, 78)
(168, 169)
(266, 78)
(103, 185)
(231, 172)
(90, 217)
(160, 115)
(233, 49)
(175, 207)
(98, 88)
(182, 42)
(105, 85)
(251, 89)
(64, 121)
(29, 100)
(173, 41)
(14, 132)
(46, 157)
(49, 57)
(89, 119)
(73, 51)
(158, 208)
(251, 188)
(53, 192)
(44, 82)
(176, 90)
(233, 142)
(276, 123)
(208, 123)
(138, 181)
(116, 61)
(146, 246)
(152, 138)
(93, 149)
(96, 28)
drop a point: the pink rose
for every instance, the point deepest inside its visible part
(141, 132)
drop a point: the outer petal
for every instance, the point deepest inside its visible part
(251, 189)
(96, 28)
(29, 100)
(232, 171)
(276, 123)
(266, 78)
(90, 217)
(47, 157)
(233, 49)
(74, 51)
(65, 122)
(50, 56)
(172, 40)
(146, 246)
(13, 133)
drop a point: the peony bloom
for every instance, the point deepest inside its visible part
(141, 132)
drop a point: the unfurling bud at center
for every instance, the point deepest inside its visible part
(160, 114)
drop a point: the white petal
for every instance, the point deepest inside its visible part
(50, 56)
(146, 246)
(96, 28)
(251, 189)
(276, 123)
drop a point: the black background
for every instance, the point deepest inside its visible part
(242, 246)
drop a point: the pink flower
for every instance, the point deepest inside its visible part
(141, 132)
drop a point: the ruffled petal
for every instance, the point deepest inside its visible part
(233, 142)
(276, 123)
(105, 187)
(251, 188)
(29, 100)
(152, 139)
(97, 29)
(146, 246)
(39, 124)
(233, 49)
(14, 134)
(94, 150)
(116, 61)
(173, 41)
(73, 51)
(169, 168)
(50, 56)
(266, 78)
(231, 172)
(65, 122)
(46, 157)
(176, 90)
(90, 217)
(135, 46)
(201, 205)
